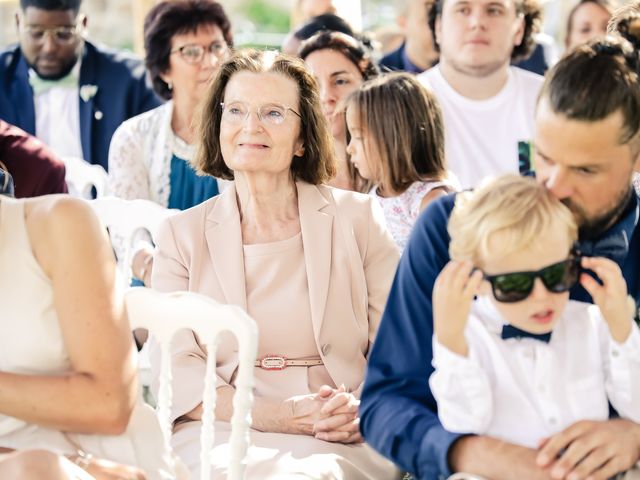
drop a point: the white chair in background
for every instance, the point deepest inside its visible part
(163, 314)
(81, 176)
(126, 221)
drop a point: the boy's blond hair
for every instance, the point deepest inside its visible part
(518, 208)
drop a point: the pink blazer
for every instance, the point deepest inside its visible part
(350, 261)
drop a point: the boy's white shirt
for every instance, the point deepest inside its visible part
(523, 390)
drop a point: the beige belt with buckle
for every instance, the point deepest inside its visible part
(278, 362)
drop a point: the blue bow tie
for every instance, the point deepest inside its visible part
(614, 247)
(509, 331)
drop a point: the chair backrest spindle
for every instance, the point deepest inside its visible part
(163, 314)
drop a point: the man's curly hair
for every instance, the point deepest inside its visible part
(532, 13)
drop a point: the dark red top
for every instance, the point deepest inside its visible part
(34, 167)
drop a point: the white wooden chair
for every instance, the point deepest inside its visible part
(163, 314)
(81, 176)
(126, 220)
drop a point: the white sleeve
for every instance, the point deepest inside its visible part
(128, 173)
(622, 370)
(462, 390)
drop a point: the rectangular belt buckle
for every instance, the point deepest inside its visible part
(273, 362)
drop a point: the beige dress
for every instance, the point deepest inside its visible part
(31, 343)
(283, 316)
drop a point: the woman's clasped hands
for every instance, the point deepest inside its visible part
(330, 415)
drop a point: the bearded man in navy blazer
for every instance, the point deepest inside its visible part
(63, 89)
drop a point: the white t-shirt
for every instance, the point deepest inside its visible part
(483, 137)
(523, 390)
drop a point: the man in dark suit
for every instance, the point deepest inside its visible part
(417, 53)
(63, 89)
(34, 167)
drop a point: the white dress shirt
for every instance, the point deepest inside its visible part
(523, 390)
(58, 118)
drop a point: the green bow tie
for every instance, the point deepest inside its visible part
(41, 85)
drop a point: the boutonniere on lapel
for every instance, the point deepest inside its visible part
(87, 92)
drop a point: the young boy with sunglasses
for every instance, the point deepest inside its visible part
(522, 361)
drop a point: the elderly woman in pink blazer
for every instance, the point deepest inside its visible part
(311, 264)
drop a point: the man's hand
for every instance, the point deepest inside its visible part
(591, 450)
(495, 459)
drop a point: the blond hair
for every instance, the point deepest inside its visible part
(518, 208)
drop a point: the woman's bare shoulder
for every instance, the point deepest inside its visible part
(50, 212)
(58, 224)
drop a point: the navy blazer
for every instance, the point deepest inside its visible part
(123, 92)
(393, 61)
(536, 62)
(398, 413)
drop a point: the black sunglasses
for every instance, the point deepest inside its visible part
(516, 286)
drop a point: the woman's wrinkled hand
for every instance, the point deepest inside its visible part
(339, 420)
(141, 265)
(305, 412)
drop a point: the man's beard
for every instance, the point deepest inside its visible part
(63, 73)
(593, 228)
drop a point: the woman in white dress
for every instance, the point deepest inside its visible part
(68, 392)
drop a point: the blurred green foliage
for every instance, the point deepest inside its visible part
(266, 17)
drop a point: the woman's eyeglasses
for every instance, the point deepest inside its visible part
(193, 53)
(516, 286)
(269, 114)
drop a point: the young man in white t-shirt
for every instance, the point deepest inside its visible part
(488, 105)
